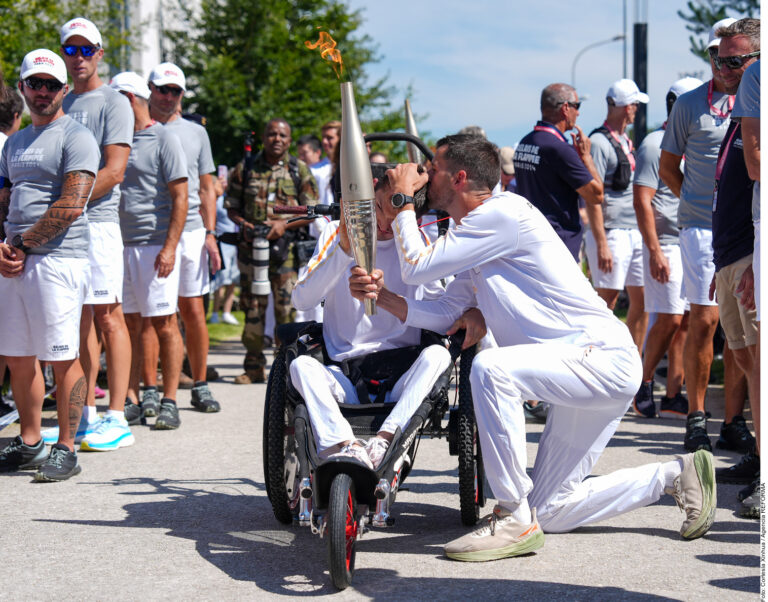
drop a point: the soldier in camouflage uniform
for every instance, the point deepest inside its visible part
(275, 178)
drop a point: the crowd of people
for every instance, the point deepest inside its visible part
(113, 224)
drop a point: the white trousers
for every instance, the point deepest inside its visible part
(323, 388)
(590, 390)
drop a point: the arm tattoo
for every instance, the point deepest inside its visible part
(76, 401)
(63, 212)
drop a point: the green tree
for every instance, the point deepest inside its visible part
(246, 63)
(703, 14)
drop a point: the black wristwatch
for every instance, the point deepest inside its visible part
(400, 200)
(18, 242)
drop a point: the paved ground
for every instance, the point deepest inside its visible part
(184, 515)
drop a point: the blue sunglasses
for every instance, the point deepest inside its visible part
(87, 51)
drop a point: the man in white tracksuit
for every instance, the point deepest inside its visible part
(558, 341)
(349, 333)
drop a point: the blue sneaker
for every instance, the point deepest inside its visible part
(51, 435)
(110, 433)
(643, 402)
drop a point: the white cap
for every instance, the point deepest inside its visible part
(625, 92)
(507, 154)
(80, 27)
(684, 85)
(713, 39)
(44, 61)
(168, 73)
(128, 81)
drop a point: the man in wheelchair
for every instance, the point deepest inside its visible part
(350, 335)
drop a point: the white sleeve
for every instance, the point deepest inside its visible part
(437, 314)
(329, 263)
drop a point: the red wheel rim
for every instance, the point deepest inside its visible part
(351, 528)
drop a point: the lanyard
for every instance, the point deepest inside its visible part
(550, 129)
(630, 154)
(713, 108)
(724, 154)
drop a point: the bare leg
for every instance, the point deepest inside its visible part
(609, 295)
(151, 350)
(736, 364)
(697, 353)
(171, 352)
(134, 322)
(193, 316)
(89, 353)
(117, 342)
(229, 297)
(71, 388)
(28, 392)
(659, 338)
(637, 317)
(675, 372)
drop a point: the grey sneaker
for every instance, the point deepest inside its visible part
(750, 505)
(537, 413)
(17, 455)
(132, 411)
(168, 418)
(695, 491)
(59, 466)
(501, 537)
(150, 402)
(203, 400)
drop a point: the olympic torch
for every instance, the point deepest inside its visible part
(414, 154)
(357, 188)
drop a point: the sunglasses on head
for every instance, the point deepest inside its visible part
(87, 50)
(169, 90)
(36, 83)
(733, 62)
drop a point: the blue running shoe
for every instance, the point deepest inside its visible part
(110, 434)
(643, 402)
(51, 435)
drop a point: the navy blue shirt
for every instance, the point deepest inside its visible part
(548, 171)
(733, 235)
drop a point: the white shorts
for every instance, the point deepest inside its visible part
(698, 266)
(105, 255)
(756, 267)
(143, 291)
(193, 264)
(665, 298)
(626, 246)
(41, 309)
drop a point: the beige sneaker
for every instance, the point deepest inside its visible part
(695, 491)
(501, 537)
(353, 451)
(377, 449)
(251, 377)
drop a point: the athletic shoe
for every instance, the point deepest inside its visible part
(49, 401)
(203, 400)
(537, 413)
(354, 451)
(744, 493)
(17, 455)
(99, 392)
(168, 418)
(250, 377)
(59, 466)
(501, 537)
(743, 472)
(696, 437)
(735, 436)
(643, 401)
(132, 412)
(674, 407)
(150, 402)
(228, 318)
(51, 435)
(376, 449)
(695, 491)
(110, 433)
(214, 319)
(750, 505)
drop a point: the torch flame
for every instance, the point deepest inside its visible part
(328, 51)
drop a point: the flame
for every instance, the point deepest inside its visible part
(328, 51)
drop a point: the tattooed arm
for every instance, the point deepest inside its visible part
(63, 212)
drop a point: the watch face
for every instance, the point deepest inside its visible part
(398, 200)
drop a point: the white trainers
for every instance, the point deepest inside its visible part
(110, 434)
(51, 435)
(377, 449)
(354, 451)
(228, 318)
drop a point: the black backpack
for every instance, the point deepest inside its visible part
(623, 174)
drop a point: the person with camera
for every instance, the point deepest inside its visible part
(269, 251)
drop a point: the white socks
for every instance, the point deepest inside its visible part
(90, 415)
(119, 415)
(671, 470)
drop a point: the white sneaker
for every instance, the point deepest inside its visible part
(214, 319)
(228, 318)
(51, 435)
(353, 451)
(377, 449)
(111, 433)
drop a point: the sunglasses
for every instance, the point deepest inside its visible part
(575, 105)
(733, 62)
(169, 90)
(37, 83)
(86, 51)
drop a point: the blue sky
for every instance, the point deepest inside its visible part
(485, 62)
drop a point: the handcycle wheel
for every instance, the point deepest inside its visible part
(471, 473)
(342, 530)
(279, 455)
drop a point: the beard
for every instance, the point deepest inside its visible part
(43, 110)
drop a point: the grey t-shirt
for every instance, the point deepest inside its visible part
(36, 160)
(108, 115)
(145, 206)
(696, 131)
(664, 202)
(197, 147)
(618, 210)
(748, 105)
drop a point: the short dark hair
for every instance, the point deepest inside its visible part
(476, 156)
(743, 27)
(276, 120)
(312, 140)
(10, 104)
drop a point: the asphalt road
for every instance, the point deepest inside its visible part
(184, 515)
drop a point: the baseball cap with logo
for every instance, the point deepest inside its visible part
(713, 39)
(44, 61)
(168, 73)
(625, 92)
(507, 153)
(80, 27)
(128, 81)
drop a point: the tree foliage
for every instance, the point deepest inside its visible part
(703, 14)
(246, 63)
